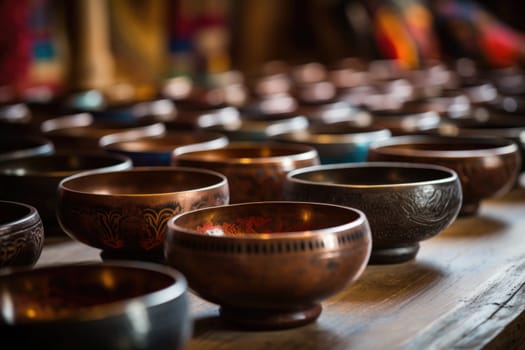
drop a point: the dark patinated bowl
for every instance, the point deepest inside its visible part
(116, 305)
(486, 167)
(338, 142)
(34, 180)
(154, 151)
(255, 171)
(124, 213)
(21, 234)
(269, 264)
(406, 121)
(18, 146)
(404, 203)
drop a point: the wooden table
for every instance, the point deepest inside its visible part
(465, 290)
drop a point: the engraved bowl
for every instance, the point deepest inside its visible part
(486, 167)
(404, 203)
(109, 305)
(21, 234)
(269, 264)
(255, 170)
(124, 213)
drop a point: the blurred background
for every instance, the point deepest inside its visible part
(51, 46)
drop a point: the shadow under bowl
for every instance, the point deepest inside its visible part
(117, 305)
(404, 203)
(21, 234)
(255, 170)
(124, 213)
(486, 167)
(269, 264)
(34, 180)
(158, 151)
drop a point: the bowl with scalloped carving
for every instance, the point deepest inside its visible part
(404, 203)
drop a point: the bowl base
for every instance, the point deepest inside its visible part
(257, 319)
(469, 209)
(155, 257)
(395, 255)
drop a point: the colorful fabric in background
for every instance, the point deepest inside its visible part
(414, 31)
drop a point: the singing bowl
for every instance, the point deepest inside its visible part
(158, 151)
(338, 142)
(405, 203)
(116, 305)
(21, 234)
(124, 213)
(269, 264)
(34, 180)
(255, 171)
(486, 167)
(18, 146)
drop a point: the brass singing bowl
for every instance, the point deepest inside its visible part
(21, 234)
(255, 171)
(21, 146)
(405, 203)
(34, 180)
(486, 167)
(153, 151)
(124, 213)
(269, 264)
(110, 305)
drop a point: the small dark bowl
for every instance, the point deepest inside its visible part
(255, 171)
(124, 213)
(486, 167)
(117, 305)
(406, 121)
(404, 203)
(14, 147)
(337, 142)
(158, 151)
(21, 234)
(269, 264)
(34, 180)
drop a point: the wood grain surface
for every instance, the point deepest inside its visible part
(465, 290)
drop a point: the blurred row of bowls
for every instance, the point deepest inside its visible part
(267, 204)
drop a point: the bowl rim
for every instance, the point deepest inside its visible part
(42, 145)
(359, 221)
(452, 174)
(124, 162)
(223, 181)
(111, 309)
(303, 152)
(312, 137)
(500, 146)
(23, 222)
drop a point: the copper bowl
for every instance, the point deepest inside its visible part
(18, 146)
(155, 151)
(269, 264)
(34, 180)
(486, 167)
(124, 213)
(21, 234)
(404, 203)
(117, 305)
(255, 171)
(338, 142)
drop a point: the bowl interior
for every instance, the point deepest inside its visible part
(381, 175)
(52, 293)
(11, 212)
(243, 153)
(265, 218)
(161, 144)
(144, 181)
